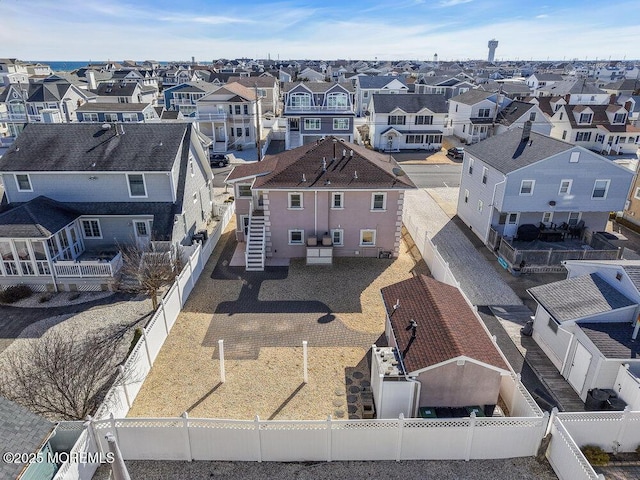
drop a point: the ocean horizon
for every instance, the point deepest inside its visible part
(69, 66)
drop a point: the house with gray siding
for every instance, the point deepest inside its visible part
(522, 177)
(75, 193)
(367, 86)
(316, 109)
(117, 112)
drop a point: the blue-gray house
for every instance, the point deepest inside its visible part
(74, 193)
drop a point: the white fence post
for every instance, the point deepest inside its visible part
(193, 283)
(146, 346)
(258, 437)
(472, 426)
(124, 386)
(552, 417)
(304, 362)
(624, 419)
(164, 316)
(329, 438)
(112, 420)
(221, 354)
(185, 424)
(91, 431)
(400, 431)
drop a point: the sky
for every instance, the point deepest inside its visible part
(165, 30)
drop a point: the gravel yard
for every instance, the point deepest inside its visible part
(263, 318)
(520, 468)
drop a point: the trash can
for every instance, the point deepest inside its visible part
(596, 400)
(615, 403)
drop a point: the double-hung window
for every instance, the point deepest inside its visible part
(312, 124)
(337, 201)
(526, 187)
(295, 201)
(565, 187)
(296, 237)
(367, 238)
(600, 189)
(91, 228)
(378, 201)
(23, 182)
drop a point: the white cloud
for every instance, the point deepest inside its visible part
(453, 3)
(544, 15)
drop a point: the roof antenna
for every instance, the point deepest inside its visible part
(413, 326)
(324, 164)
(344, 152)
(350, 153)
(355, 175)
(304, 177)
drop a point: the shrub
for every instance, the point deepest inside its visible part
(74, 296)
(595, 455)
(45, 297)
(15, 293)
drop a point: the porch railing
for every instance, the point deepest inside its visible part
(515, 256)
(92, 268)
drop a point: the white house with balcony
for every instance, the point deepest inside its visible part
(230, 116)
(472, 114)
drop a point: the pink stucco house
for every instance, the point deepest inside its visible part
(324, 199)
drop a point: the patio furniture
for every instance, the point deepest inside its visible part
(527, 232)
(576, 230)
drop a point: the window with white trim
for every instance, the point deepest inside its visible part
(295, 201)
(485, 174)
(637, 194)
(585, 117)
(470, 166)
(565, 187)
(91, 228)
(337, 237)
(414, 139)
(337, 99)
(244, 190)
(337, 201)
(600, 189)
(397, 120)
(424, 120)
(296, 237)
(130, 117)
(583, 136)
(620, 118)
(367, 238)
(90, 117)
(466, 196)
(480, 205)
(484, 113)
(575, 157)
(547, 217)
(341, 124)
(312, 124)
(379, 201)
(110, 117)
(137, 187)
(574, 218)
(23, 181)
(300, 99)
(526, 187)
(532, 117)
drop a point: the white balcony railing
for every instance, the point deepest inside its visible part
(12, 117)
(318, 109)
(88, 268)
(210, 117)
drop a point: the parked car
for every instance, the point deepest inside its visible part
(218, 160)
(456, 153)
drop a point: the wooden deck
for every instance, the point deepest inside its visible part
(512, 318)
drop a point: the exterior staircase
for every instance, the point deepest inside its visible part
(256, 242)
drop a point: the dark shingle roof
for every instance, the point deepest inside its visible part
(38, 218)
(20, 431)
(513, 112)
(574, 86)
(385, 103)
(447, 327)
(507, 152)
(633, 271)
(286, 169)
(612, 339)
(579, 297)
(115, 89)
(378, 81)
(112, 107)
(86, 147)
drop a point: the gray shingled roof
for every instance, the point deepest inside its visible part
(633, 271)
(378, 81)
(612, 339)
(112, 107)
(513, 112)
(507, 152)
(579, 297)
(86, 147)
(472, 96)
(21, 432)
(387, 102)
(38, 218)
(574, 86)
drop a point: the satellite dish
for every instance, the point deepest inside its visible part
(398, 172)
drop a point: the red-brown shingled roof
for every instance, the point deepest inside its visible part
(447, 326)
(366, 169)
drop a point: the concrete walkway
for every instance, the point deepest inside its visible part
(478, 279)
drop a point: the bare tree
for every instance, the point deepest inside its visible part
(147, 272)
(61, 376)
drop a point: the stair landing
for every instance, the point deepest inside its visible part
(237, 260)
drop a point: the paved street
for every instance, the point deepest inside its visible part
(430, 176)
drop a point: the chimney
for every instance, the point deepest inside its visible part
(612, 99)
(324, 164)
(526, 131)
(91, 79)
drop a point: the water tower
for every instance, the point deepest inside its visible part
(493, 44)
(435, 59)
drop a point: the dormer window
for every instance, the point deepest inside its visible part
(585, 117)
(300, 100)
(620, 118)
(337, 99)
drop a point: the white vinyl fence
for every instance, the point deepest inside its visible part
(565, 456)
(120, 397)
(323, 440)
